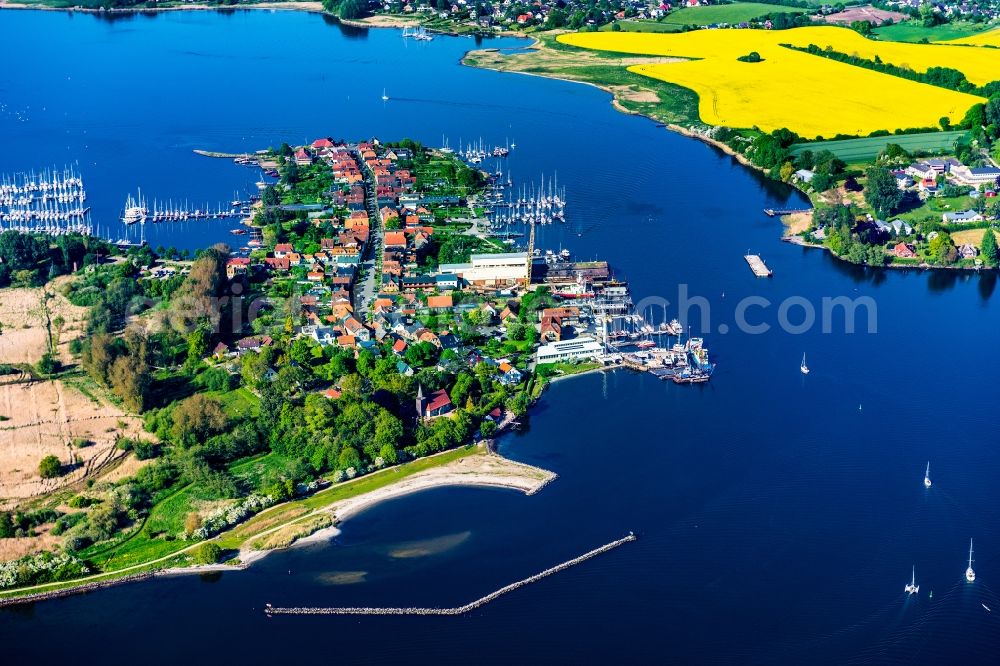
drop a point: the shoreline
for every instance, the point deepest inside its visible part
(479, 469)
(617, 105)
(796, 240)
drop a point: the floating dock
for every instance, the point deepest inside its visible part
(758, 266)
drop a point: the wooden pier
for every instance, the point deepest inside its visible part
(459, 610)
(772, 212)
(758, 266)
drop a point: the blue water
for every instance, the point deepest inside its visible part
(777, 521)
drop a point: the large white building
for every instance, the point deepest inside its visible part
(491, 270)
(976, 175)
(575, 349)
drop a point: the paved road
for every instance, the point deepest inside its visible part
(366, 288)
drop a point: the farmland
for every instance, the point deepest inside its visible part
(854, 151)
(741, 94)
(914, 31)
(734, 13)
(990, 38)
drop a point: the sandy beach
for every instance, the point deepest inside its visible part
(483, 470)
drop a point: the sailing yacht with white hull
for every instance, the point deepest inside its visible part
(912, 587)
(970, 575)
(927, 476)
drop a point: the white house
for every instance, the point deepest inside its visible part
(961, 218)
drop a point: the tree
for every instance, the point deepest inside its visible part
(207, 553)
(351, 9)
(197, 418)
(49, 467)
(48, 364)
(461, 390)
(881, 191)
(786, 171)
(198, 341)
(191, 522)
(942, 248)
(988, 247)
(130, 379)
(7, 529)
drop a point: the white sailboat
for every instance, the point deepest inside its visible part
(927, 476)
(385, 98)
(970, 575)
(803, 367)
(912, 587)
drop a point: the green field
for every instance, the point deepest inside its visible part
(734, 13)
(914, 31)
(642, 26)
(863, 150)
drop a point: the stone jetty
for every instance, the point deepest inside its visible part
(459, 610)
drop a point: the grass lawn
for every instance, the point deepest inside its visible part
(866, 149)
(239, 403)
(933, 208)
(549, 370)
(971, 236)
(914, 31)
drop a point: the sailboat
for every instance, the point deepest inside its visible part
(912, 587)
(385, 98)
(970, 575)
(803, 367)
(927, 476)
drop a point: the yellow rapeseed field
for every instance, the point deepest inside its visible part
(988, 38)
(810, 95)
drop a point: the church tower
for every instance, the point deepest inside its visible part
(421, 403)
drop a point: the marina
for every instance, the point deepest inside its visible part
(138, 211)
(51, 201)
(603, 309)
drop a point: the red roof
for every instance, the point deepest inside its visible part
(395, 239)
(322, 143)
(439, 400)
(444, 301)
